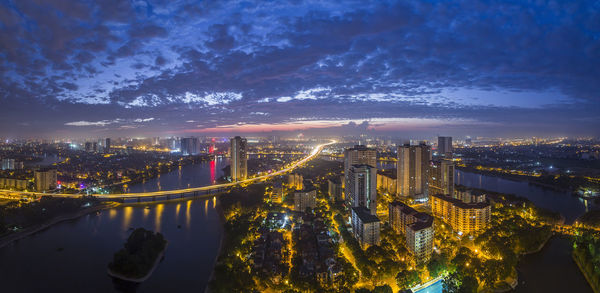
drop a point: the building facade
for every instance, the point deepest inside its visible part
(365, 227)
(8, 164)
(335, 189)
(387, 181)
(190, 146)
(464, 218)
(357, 155)
(361, 187)
(413, 171)
(441, 177)
(305, 198)
(45, 179)
(277, 192)
(107, 145)
(445, 146)
(416, 227)
(295, 181)
(14, 183)
(239, 159)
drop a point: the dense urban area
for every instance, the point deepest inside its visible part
(364, 215)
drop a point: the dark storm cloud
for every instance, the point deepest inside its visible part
(302, 61)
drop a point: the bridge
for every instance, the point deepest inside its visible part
(176, 193)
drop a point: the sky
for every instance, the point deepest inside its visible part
(192, 68)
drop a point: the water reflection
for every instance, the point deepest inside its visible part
(177, 208)
(188, 215)
(205, 207)
(90, 242)
(127, 214)
(158, 214)
(112, 214)
(213, 171)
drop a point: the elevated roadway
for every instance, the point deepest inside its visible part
(176, 193)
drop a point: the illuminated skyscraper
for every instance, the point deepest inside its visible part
(441, 177)
(357, 155)
(239, 160)
(361, 188)
(413, 170)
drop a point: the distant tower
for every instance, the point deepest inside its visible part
(413, 170)
(107, 145)
(239, 161)
(445, 146)
(189, 146)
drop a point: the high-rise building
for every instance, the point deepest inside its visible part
(464, 218)
(45, 179)
(277, 192)
(468, 141)
(387, 181)
(8, 164)
(107, 145)
(419, 240)
(357, 155)
(335, 189)
(445, 146)
(361, 187)
(416, 227)
(295, 181)
(239, 160)
(441, 177)
(89, 146)
(365, 227)
(305, 198)
(190, 146)
(413, 170)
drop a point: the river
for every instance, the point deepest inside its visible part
(72, 256)
(552, 269)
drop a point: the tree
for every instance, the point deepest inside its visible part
(459, 283)
(451, 283)
(382, 289)
(407, 279)
(437, 265)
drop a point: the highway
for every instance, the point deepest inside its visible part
(123, 196)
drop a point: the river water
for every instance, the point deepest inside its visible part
(73, 256)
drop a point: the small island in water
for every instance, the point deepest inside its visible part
(140, 256)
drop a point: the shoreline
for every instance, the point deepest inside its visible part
(10, 238)
(519, 178)
(159, 258)
(212, 273)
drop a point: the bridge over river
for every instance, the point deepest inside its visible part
(172, 194)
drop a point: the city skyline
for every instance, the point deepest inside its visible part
(318, 68)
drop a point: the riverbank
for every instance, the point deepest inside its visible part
(522, 178)
(222, 221)
(10, 238)
(582, 263)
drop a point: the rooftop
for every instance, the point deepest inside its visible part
(459, 203)
(364, 215)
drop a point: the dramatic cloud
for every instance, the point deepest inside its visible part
(467, 67)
